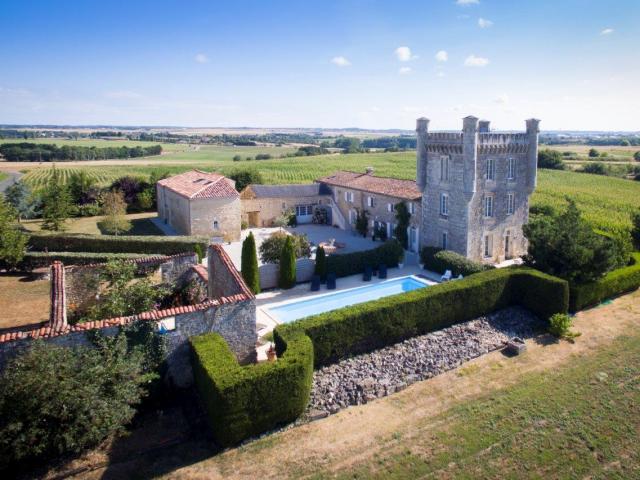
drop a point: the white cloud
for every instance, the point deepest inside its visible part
(440, 74)
(473, 61)
(467, 2)
(340, 61)
(404, 54)
(607, 31)
(484, 23)
(442, 56)
(404, 71)
(122, 94)
(502, 99)
(201, 58)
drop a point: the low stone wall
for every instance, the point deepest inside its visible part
(269, 272)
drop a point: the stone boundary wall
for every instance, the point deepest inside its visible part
(270, 272)
(233, 316)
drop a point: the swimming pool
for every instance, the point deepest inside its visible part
(294, 310)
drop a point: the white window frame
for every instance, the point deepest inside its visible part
(216, 224)
(511, 203)
(389, 207)
(444, 240)
(444, 204)
(487, 247)
(412, 208)
(444, 168)
(511, 168)
(371, 202)
(490, 173)
(488, 206)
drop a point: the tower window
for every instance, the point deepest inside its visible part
(511, 203)
(444, 168)
(511, 168)
(444, 204)
(488, 206)
(445, 240)
(491, 169)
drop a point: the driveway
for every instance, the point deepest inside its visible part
(315, 234)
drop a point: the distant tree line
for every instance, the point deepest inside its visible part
(391, 143)
(37, 152)
(611, 140)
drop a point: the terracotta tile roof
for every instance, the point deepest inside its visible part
(392, 187)
(199, 184)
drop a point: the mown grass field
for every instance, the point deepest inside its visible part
(606, 202)
(614, 152)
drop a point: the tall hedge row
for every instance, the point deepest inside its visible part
(244, 401)
(364, 327)
(77, 242)
(614, 283)
(389, 253)
(33, 260)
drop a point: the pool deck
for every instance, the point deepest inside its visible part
(265, 323)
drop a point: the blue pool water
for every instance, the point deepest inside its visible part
(332, 301)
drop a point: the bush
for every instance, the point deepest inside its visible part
(613, 283)
(271, 248)
(439, 261)
(287, 274)
(596, 168)
(244, 177)
(243, 401)
(593, 153)
(58, 400)
(389, 254)
(77, 242)
(635, 229)
(368, 326)
(552, 159)
(321, 264)
(33, 260)
(559, 325)
(249, 265)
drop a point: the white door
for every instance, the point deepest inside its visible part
(413, 239)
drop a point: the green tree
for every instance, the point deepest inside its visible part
(635, 229)
(80, 186)
(321, 264)
(59, 400)
(596, 168)
(56, 202)
(237, 158)
(552, 159)
(362, 222)
(636, 156)
(20, 197)
(271, 248)
(593, 153)
(114, 209)
(244, 177)
(124, 295)
(402, 217)
(287, 277)
(249, 266)
(13, 242)
(565, 245)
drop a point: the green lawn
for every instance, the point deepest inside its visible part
(141, 224)
(579, 422)
(3, 176)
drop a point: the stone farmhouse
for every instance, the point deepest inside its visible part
(471, 195)
(200, 203)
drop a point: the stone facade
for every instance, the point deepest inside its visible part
(476, 187)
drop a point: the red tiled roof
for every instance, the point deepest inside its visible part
(199, 184)
(392, 187)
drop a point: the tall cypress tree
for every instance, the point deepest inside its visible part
(249, 266)
(287, 265)
(56, 203)
(321, 264)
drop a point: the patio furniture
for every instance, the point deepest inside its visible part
(367, 273)
(331, 281)
(382, 271)
(315, 283)
(447, 276)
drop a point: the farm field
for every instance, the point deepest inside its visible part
(606, 202)
(614, 152)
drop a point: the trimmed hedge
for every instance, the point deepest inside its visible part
(77, 242)
(390, 253)
(613, 283)
(33, 260)
(439, 261)
(372, 325)
(244, 401)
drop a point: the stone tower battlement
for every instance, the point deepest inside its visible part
(476, 185)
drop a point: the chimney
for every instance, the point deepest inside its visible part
(369, 170)
(483, 126)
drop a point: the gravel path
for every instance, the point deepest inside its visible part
(363, 378)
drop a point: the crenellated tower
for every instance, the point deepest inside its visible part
(476, 186)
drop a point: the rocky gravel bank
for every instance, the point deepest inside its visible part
(363, 378)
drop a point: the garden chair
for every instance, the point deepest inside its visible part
(368, 271)
(331, 281)
(382, 271)
(315, 283)
(447, 276)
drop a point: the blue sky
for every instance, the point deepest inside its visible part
(372, 64)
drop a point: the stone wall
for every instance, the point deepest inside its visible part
(205, 212)
(261, 212)
(269, 272)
